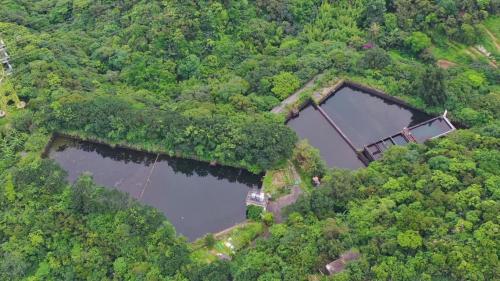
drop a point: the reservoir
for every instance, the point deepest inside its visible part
(311, 125)
(195, 197)
(366, 118)
(362, 117)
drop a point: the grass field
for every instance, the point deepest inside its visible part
(239, 238)
(462, 54)
(277, 182)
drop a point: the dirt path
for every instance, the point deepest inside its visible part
(277, 206)
(227, 230)
(295, 96)
(471, 53)
(476, 54)
(445, 64)
(480, 54)
(493, 38)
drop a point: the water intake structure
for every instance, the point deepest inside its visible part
(354, 125)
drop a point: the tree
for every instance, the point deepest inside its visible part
(10, 192)
(409, 239)
(373, 12)
(254, 212)
(418, 41)
(81, 195)
(432, 88)
(308, 159)
(284, 84)
(376, 58)
(209, 241)
(268, 218)
(188, 67)
(468, 34)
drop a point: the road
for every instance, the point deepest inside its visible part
(295, 96)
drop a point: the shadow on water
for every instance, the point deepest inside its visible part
(196, 198)
(202, 169)
(178, 165)
(61, 144)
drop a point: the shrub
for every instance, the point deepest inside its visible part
(375, 58)
(209, 240)
(284, 84)
(268, 218)
(309, 159)
(418, 41)
(254, 212)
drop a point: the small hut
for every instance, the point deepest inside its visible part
(339, 264)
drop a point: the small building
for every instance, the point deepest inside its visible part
(257, 197)
(339, 264)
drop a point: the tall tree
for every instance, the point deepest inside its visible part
(432, 87)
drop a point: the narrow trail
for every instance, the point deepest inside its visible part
(295, 96)
(227, 230)
(471, 53)
(480, 54)
(445, 64)
(493, 38)
(146, 183)
(284, 201)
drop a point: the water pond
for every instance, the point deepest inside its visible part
(195, 197)
(363, 117)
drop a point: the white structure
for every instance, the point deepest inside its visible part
(258, 198)
(4, 58)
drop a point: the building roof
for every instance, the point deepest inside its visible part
(339, 264)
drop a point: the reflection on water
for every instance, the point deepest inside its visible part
(196, 197)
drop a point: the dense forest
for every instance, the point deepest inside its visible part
(197, 79)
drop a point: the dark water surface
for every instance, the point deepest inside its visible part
(311, 125)
(196, 197)
(364, 118)
(431, 129)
